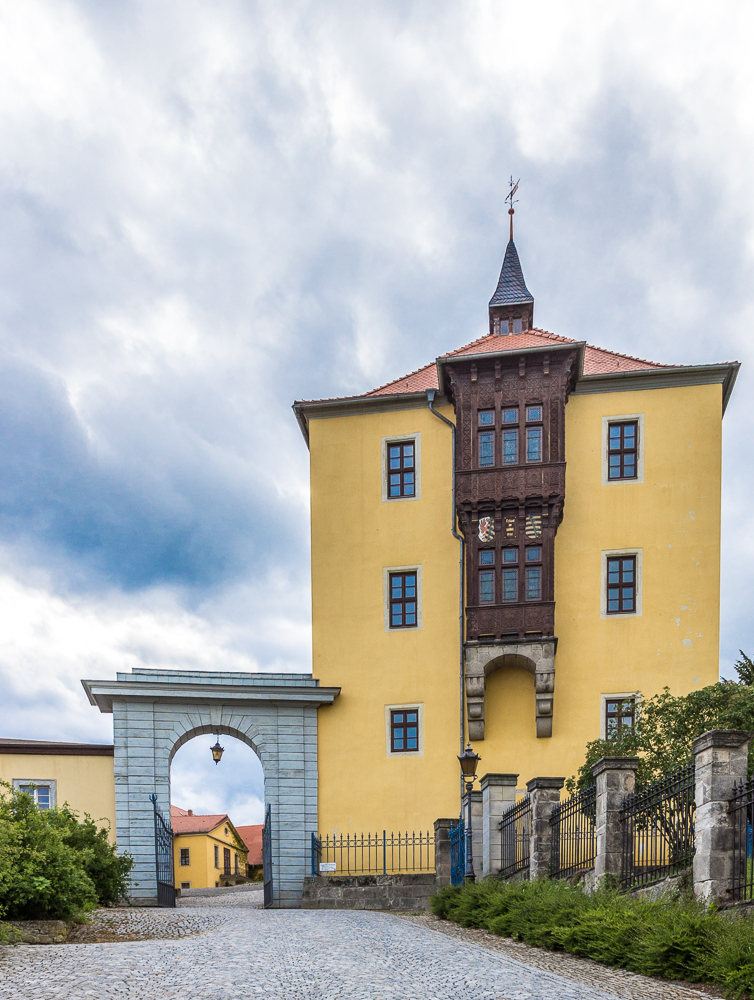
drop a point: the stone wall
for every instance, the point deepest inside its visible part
(368, 892)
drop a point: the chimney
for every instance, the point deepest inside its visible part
(191, 812)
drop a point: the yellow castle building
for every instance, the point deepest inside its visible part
(512, 545)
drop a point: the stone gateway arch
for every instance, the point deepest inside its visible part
(156, 711)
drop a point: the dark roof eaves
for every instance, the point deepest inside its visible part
(51, 749)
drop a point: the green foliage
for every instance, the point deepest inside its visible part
(51, 865)
(673, 939)
(667, 725)
(744, 669)
(109, 872)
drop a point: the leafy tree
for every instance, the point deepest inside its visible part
(51, 865)
(667, 725)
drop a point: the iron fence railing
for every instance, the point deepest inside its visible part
(658, 829)
(457, 837)
(573, 834)
(515, 833)
(373, 853)
(741, 809)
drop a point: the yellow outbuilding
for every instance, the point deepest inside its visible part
(510, 546)
(208, 851)
(77, 774)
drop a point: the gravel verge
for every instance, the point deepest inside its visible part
(624, 984)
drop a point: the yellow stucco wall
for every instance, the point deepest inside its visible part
(673, 516)
(354, 537)
(85, 783)
(201, 872)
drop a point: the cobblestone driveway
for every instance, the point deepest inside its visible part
(249, 952)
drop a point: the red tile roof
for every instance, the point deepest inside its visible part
(597, 360)
(184, 821)
(252, 837)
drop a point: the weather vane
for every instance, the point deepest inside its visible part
(511, 201)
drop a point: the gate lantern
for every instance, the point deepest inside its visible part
(217, 751)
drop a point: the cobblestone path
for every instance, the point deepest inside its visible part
(247, 952)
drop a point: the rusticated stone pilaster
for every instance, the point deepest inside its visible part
(721, 758)
(544, 795)
(616, 778)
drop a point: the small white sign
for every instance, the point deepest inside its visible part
(327, 866)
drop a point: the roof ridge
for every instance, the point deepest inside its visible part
(632, 357)
(392, 381)
(534, 331)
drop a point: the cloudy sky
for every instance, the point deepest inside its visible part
(210, 209)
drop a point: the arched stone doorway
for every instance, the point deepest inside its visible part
(156, 711)
(482, 658)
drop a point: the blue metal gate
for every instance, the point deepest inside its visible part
(267, 858)
(457, 838)
(163, 856)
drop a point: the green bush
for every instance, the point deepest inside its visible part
(51, 865)
(674, 939)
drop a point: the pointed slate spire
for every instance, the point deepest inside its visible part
(511, 288)
(512, 305)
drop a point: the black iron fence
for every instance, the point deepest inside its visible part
(515, 833)
(163, 856)
(574, 837)
(658, 829)
(373, 853)
(741, 808)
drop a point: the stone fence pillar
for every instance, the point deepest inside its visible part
(442, 850)
(498, 794)
(616, 778)
(721, 757)
(544, 794)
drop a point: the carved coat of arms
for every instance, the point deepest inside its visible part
(486, 529)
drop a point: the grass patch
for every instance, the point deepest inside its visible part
(674, 939)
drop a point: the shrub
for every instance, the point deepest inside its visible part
(675, 939)
(108, 871)
(52, 866)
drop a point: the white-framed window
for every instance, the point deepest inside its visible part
(401, 468)
(44, 791)
(404, 730)
(217, 856)
(185, 885)
(185, 856)
(618, 711)
(623, 448)
(402, 597)
(621, 583)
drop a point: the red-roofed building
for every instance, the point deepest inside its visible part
(252, 837)
(511, 546)
(208, 850)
